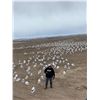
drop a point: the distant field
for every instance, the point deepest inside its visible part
(68, 56)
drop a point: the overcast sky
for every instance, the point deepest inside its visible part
(43, 19)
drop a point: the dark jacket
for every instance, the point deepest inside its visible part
(49, 71)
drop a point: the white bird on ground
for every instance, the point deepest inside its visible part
(49, 64)
(63, 61)
(68, 68)
(16, 75)
(53, 58)
(25, 53)
(34, 65)
(73, 64)
(64, 72)
(62, 58)
(57, 60)
(28, 72)
(44, 68)
(26, 77)
(31, 74)
(15, 72)
(60, 61)
(21, 66)
(23, 80)
(28, 69)
(30, 58)
(65, 66)
(57, 67)
(33, 89)
(19, 61)
(41, 64)
(44, 62)
(18, 79)
(39, 72)
(53, 63)
(68, 64)
(24, 61)
(28, 61)
(26, 83)
(42, 77)
(27, 64)
(39, 81)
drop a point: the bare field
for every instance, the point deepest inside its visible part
(68, 55)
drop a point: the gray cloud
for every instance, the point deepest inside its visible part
(48, 18)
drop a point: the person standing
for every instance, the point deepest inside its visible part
(50, 75)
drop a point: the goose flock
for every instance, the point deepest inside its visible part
(33, 63)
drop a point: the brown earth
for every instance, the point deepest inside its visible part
(71, 86)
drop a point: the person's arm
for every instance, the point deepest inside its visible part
(45, 70)
(53, 73)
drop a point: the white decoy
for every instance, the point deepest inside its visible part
(16, 75)
(33, 89)
(23, 80)
(57, 67)
(66, 59)
(49, 64)
(18, 79)
(44, 68)
(65, 66)
(62, 58)
(54, 66)
(63, 61)
(60, 61)
(72, 64)
(24, 61)
(28, 72)
(44, 62)
(34, 65)
(53, 58)
(33, 62)
(26, 83)
(68, 67)
(25, 53)
(57, 60)
(31, 74)
(28, 69)
(64, 72)
(15, 72)
(26, 77)
(39, 81)
(42, 77)
(41, 64)
(68, 64)
(53, 63)
(21, 66)
(19, 61)
(39, 72)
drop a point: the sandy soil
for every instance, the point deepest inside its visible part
(69, 86)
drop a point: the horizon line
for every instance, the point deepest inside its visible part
(44, 37)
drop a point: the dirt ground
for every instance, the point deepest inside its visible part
(69, 86)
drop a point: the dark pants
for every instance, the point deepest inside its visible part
(50, 80)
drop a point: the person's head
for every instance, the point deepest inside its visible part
(49, 66)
